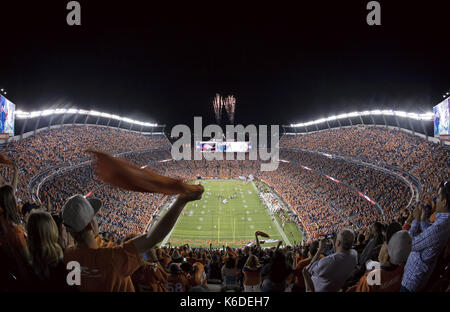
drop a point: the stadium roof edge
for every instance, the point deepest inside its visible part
(424, 116)
(28, 115)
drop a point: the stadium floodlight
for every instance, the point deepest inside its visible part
(47, 112)
(386, 112)
(2, 89)
(94, 113)
(128, 120)
(27, 115)
(331, 118)
(401, 113)
(35, 114)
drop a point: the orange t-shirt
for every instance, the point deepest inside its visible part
(199, 277)
(106, 269)
(298, 271)
(177, 283)
(150, 278)
(15, 235)
(391, 280)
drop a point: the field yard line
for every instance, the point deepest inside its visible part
(274, 220)
(218, 228)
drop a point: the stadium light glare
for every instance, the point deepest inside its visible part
(28, 115)
(72, 111)
(331, 118)
(47, 112)
(386, 112)
(94, 113)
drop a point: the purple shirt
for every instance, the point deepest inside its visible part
(426, 248)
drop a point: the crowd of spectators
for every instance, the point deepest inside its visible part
(384, 146)
(66, 147)
(389, 192)
(351, 246)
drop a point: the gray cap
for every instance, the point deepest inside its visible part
(399, 247)
(78, 212)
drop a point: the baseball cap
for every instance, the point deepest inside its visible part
(399, 247)
(79, 211)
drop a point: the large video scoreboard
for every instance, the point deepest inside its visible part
(7, 109)
(223, 147)
(442, 118)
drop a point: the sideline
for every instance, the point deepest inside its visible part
(275, 221)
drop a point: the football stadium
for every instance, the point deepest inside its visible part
(117, 195)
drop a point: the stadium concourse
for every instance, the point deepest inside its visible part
(360, 195)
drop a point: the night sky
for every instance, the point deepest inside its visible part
(284, 62)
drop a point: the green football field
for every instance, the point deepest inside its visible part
(232, 224)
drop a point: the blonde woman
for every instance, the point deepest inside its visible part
(252, 275)
(13, 244)
(46, 254)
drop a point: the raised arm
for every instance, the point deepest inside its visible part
(15, 179)
(318, 252)
(257, 240)
(166, 223)
(279, 244)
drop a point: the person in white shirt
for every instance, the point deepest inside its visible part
(330, 273)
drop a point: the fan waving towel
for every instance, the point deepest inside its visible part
(125, 175)
(5, 160)
(259, 233)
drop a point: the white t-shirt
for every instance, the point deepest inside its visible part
(331, 272)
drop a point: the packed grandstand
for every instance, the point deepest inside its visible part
(358, 188)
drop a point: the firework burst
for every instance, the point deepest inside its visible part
(230, 105)
(217, 105)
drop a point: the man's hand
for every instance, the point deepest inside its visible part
(423, 213)
(192, 195)
(321, 246)
(410, 218)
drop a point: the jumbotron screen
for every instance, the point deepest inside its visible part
(7, 109)
(223, 147)
(442, 118)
